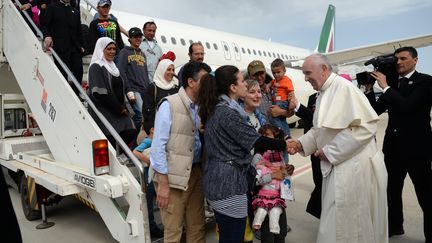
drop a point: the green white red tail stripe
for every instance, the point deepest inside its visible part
(326, 42)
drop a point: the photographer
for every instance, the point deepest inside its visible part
(408, 137)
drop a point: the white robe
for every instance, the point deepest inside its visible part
(354, 200)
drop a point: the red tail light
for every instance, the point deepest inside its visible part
(100, 157)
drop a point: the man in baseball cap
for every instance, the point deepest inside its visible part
(102, 3)
(135, 32)
(255, 67)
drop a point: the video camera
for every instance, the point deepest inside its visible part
(386, 64)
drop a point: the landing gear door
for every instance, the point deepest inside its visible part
(226, 49)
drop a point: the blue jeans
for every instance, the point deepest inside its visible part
(231, 230)
(137, 108)
(281, 120)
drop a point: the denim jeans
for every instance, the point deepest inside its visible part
(137, 108)
(281, 121)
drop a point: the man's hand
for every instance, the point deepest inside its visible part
(381, 79)
(163, 191)
(320, 154)
(48, 42)
(26, 6)
(293, 146)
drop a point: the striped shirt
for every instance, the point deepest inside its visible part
(234, 206)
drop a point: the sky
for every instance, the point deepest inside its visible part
(298, 23)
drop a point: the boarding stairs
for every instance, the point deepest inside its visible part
(65, 164)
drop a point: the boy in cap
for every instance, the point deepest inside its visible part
(105, 26)
(133, 70)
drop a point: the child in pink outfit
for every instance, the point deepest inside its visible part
(268, 200)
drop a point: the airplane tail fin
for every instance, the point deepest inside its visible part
(326, 41)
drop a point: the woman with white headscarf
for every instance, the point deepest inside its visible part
(106, 89)
(164, 84)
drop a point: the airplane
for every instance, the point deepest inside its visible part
(223, 48)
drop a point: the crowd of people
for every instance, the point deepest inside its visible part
(222, 138)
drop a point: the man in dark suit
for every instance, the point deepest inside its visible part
(62, 32)
(306, 114)
(408, 137)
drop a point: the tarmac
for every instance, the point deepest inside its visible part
(76, 223)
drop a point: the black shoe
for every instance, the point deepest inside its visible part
(396, 232)
(156, 233)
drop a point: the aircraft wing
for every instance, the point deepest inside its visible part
(356, 55)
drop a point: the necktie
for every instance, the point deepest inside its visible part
(402, 82)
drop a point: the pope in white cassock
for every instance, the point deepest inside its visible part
(354, 201)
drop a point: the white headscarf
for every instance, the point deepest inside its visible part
(159, 79)
(99, 58)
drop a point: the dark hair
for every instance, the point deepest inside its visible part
(191, 70)
(277, 63)
(214, 86)
(149, 23)
(194, 44)
(410, 49)
(277, 133)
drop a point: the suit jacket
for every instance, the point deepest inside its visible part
(63, 24)
(306, 113)
(408, 133)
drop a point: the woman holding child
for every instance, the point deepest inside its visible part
(229, 140)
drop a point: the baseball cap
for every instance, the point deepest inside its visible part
(102, 3)
(255, 66)
(133, 32)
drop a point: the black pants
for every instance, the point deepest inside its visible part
(420, 172)
(314, 204)
(231, 230)
(10, 229)
(73, 60)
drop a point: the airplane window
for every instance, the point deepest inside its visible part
(254, 52)
(265, 53)
(269, 54)
(191, 42)
(226, 47)
(215, 46)
(249, 51)
(200, 42)
(274, 55)
(259, 52)
(183, 42)
(208, 45)
(163, 38)
(236, 49)
(173, 41)
(243, 50)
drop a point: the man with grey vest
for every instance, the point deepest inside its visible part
(175, 159)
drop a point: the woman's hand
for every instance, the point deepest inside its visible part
(289, 169)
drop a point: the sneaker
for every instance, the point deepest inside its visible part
(156, 233)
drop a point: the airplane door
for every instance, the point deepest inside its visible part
(226, 50)
(236, 51)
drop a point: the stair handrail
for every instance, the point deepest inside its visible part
(90, 103)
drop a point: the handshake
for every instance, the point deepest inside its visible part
(293, 146)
